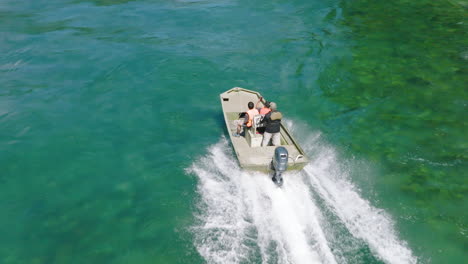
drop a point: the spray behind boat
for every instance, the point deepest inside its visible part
(279, 164)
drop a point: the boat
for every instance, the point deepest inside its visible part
(251, 155)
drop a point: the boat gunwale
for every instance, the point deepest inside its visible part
(287, 133)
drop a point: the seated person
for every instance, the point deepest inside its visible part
(247, 120)
(263, 108)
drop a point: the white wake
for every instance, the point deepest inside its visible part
(329, 178)
(244, 218)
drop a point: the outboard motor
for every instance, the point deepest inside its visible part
(279, 164)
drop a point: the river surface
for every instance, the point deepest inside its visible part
(113, 147)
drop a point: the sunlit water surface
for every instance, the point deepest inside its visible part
(112, 146)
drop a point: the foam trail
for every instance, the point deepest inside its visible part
(245, 218)
(364, 221)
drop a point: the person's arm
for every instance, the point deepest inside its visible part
(258, 106)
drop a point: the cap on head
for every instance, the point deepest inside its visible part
(250, 105)
(273, 106)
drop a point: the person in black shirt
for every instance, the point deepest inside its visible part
(272, 122)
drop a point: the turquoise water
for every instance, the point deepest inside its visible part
(112, 146)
